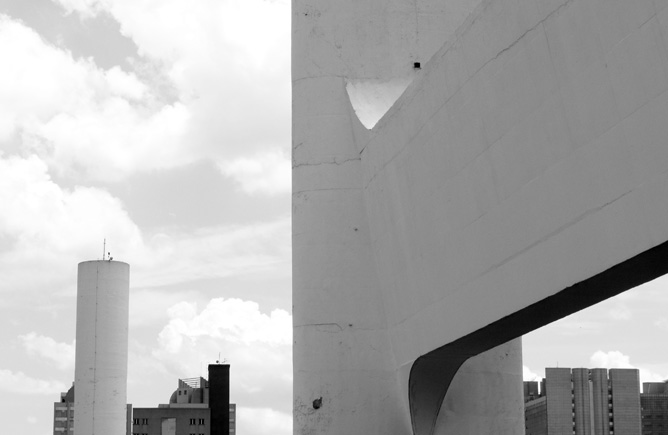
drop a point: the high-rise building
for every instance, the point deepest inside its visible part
(585, 402)
(101, 363)
(654, 408)
(197, 407)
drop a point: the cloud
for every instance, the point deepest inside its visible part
(48, 228)
(20, 383)
(268, 173)
(257, 345)
(44, 226)
(62, 354)
(211, 85)
(228, 62)
(617, 360)
(528, 375)
(258, 421)
(620, 312)
(567, 326)
(232, 320)
(662, 323)
(612, 359)
(85, 122)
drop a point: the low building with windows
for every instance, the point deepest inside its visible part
(63, 414)
(197, 407)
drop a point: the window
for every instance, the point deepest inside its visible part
(193, 421)
(201, 421)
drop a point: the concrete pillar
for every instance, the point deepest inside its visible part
(485, 396)
(101, 366)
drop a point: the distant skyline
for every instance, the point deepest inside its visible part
(164, 128)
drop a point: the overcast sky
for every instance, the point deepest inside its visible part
(164, 127)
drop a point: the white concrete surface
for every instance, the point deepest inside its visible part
(529, 154)
(100, 385)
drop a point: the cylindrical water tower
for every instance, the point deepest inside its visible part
(101, 367)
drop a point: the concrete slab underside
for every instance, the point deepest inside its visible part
(520, 177)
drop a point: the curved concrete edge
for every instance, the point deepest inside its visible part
(432, 374)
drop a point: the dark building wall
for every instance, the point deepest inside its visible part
(219, 398)
(654, 387)
(184, 419)
(654, 413)
(535, 417)
(530, 390)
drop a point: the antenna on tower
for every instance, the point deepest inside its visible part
(104, 248)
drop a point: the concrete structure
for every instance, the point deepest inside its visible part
(586, 402)
(63, 414)
(519, 177)
(197, 407)
(101, 362)
(654, 408)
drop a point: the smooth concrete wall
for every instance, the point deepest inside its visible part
(520, 177)
(520, 164)
(343, 361)
(101, 348)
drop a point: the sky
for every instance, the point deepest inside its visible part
(163, 126)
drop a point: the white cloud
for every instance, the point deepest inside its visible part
(232, 320)
(212, 252)
(617, 360)
(620, 312)
(661, 322)
(257, 345)
(50, 228)
(87, 8)
(567, 326)
(259, 421)
(528, 375)
(62, 354)
(87, 123)
(229, 62)
(269, 173)
(228, 67)
(613, 359)
(20, 383)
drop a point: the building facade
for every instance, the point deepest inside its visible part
(584, 402)
(654, 408)
(63, 414)
(197, 407)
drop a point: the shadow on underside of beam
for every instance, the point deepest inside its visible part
(432, 373)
